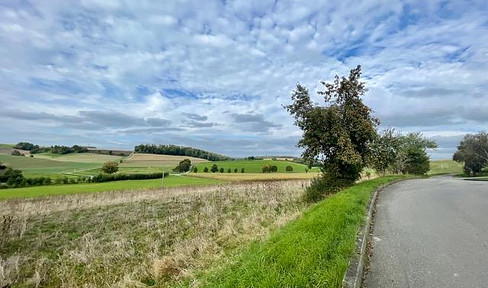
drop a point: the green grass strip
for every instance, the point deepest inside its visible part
(312, 251)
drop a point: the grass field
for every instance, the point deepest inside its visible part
(439, 167)
(255, 176)
(138, 238)
(79, 157)
(254, 166)
(6, 145)
(170, 181)
(155, 160)
(312, 251)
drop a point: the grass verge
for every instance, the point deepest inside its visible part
(312, 251)
(171, 181)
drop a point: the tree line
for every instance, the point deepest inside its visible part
(56, 149)
(180, 151)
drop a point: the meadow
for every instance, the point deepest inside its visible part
(138, 238)
(171, 181)
(439, 167)
(253, 166)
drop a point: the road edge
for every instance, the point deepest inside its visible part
(353, 277)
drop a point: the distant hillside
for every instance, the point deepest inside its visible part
(179, 151)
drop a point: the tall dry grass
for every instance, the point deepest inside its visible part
(137, 238)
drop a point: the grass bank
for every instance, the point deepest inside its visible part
(170, 181)
(312, 251)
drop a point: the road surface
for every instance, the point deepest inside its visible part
(431, 233)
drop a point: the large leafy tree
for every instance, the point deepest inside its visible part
(339, 132)
(385, 150)
(473, 151)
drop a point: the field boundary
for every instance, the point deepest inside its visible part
(353, 277)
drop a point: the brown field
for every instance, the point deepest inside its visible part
(155, 160)
(138, 238)
(80, 157)
(256, 176)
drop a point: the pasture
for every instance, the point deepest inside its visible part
(50, 190)
(236, 177)
(253, 166)
(138, 238)
(438, 167)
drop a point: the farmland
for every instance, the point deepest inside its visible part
(138, 238)
(445, 167)
(253, 166)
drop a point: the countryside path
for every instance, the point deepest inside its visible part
(431, 233)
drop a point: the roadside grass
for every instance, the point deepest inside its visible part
(50, 190)
(439, 167)
(138, 238)
(253, 166)
(312, 251)
(255, 176)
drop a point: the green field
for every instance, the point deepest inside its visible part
(313, 251)
(6, 145)
(253, 166)
(439, 167)
(170, 181)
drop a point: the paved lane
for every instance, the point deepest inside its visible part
(431, 233)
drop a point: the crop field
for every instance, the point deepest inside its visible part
(171, 181)
(438, 167)
(80, 157)
(138, 238)
(154, 160)
(256, 176)
(253, 166)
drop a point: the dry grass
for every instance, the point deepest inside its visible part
(255, 176)
(133, 239)
(155, 160)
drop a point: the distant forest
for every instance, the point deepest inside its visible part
(180, 151)
(56, 149)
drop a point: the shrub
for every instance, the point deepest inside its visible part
(195, 169)
(242, 170)
(110, 167)
(289, 168)
(214, 168)
(221, 170)
(120, 177)
(205, 170)
(324, 185)
(229, 170)
(183, 166)
(235, 170)
(265, 169)
(273, 168)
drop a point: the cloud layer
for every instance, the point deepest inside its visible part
(215, 76)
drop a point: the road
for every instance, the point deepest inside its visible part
(431, 233)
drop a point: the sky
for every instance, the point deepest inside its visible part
(216, 74)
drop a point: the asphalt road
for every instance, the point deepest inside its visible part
(431, 233)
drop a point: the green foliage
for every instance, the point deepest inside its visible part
(235, 170)
(385, 149)
(195, 169)
(270, 168)
(12, 177)
(205, 169)
(183, 166)
(412, 157)
(473, 151)
(242, 170)
(100, 178)
(229, 170)
(26, 146)
(179, 150)
(214, 168)
(289, 168)
(255, 166)
(16, 153)
(324, 185)
(110, 167)
(340, 132)
(221, 170)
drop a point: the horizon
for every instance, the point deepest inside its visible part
(115, 75)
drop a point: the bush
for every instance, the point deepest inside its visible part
(324, 185)
(229, 170)
(205, 170)
(214, 168)
(273, 168)
(265, 169)
(221, 170)
(242, 170)
(110, 167)
(195, 169)
(120, 177)
(183, 166)
(289, 168)
(235, 170)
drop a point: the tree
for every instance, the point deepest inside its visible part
(242, 170)
(265, 169)
(221, 170)
(273, 168)
(110, 167)
(229, 170)
(195, 169)
(473, 151)
(384, 150)
(412, 156)
(289, 168)
(183, 166)
(235, 170)
(205, 170)
(339, 133)
(214, 168)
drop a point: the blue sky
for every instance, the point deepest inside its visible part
(215, 74)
